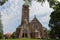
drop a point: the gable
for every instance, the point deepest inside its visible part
(36, 21)
(35, 24)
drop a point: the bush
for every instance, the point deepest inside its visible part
(1, 35)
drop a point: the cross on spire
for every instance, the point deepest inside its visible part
(35, 16)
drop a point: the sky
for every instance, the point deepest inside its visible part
(11, 13)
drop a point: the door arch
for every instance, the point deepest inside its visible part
(25, 33)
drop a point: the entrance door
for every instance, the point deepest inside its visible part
(24, 35)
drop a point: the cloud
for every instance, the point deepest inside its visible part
(11, 14)
(38, 9)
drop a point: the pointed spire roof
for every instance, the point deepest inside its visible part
(35, 18)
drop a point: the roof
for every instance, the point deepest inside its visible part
(35, 20)
(8, 33)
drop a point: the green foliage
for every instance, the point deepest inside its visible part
(52, 3)
(27, 39)
(2, 2)
(40, 0)
(1, 28)
(57, 6)
(13, 35)
(1, 35)
(54, 22)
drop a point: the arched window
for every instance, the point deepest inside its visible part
(25, 31)
(34, 26)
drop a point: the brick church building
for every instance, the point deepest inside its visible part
(31, 29)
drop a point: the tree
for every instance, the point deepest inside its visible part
(1, 28)
(1, 35)
(2, 2)
(14, 35)
(52, 3)
(54, 22)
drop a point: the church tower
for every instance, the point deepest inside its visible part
(23, 30)
(25, 14)
(25, 11)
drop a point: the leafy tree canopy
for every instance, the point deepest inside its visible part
(52, 3)
(54, 22)
(2, 2)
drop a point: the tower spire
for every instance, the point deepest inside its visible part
(35, 16)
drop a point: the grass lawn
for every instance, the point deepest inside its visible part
(26, 39)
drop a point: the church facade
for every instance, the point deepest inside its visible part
(31, 29)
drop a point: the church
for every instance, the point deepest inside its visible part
(30, 29)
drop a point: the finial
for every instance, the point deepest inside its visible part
(27, 2)
(35, 16)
